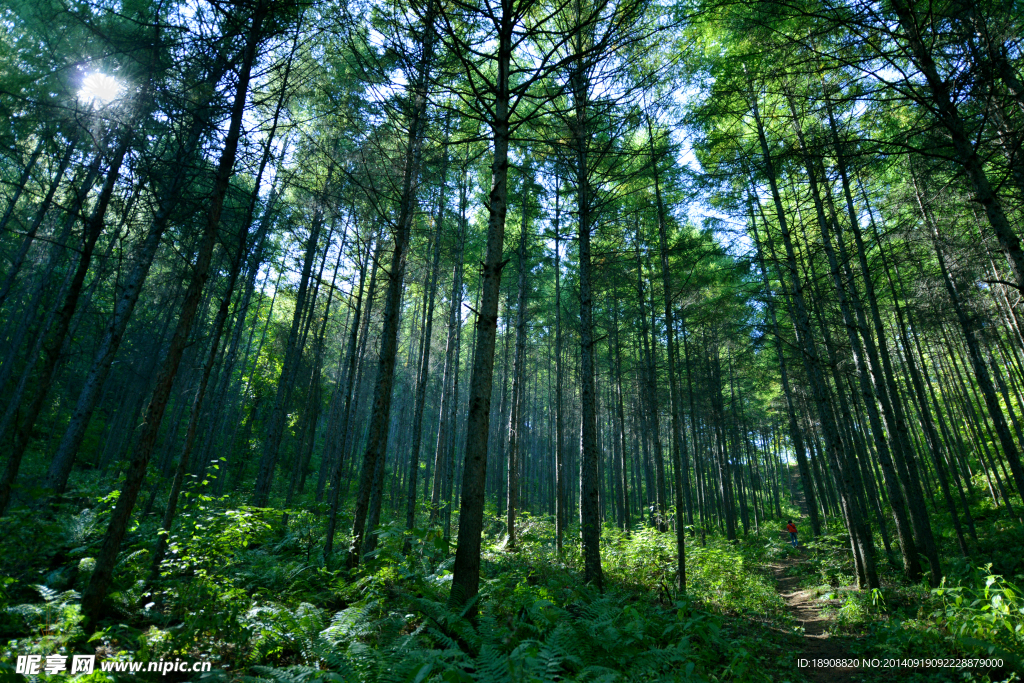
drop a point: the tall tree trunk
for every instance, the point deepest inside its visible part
(649, 392)
(448, 494)
(292, 356)
(27, 322)
(424, 369)
(94, 599)
(55, 338)
(338, 447)
(19, 188)
(30, 234)
(380, 419)
(590, 454)
(92, 390)
(516, 420)
(680, 457)
(981, 373)
(449, 398)
(314, 405)
(796, 437)
(833, 440)
(622, 467)
(197, 402)
(560, 514)
(949, 117)
(881, 365)
(466, 570)
(904, 529)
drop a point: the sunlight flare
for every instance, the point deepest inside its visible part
(100, 89)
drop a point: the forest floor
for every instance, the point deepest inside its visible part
(818, 643)
(806, 608)
(252, 597)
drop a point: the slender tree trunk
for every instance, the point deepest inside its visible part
(92, 390)
(516, 419)
(448, 494)
(314, 405)
(622, 467)
(906, 532)
(335, 449)
(560, 514)
(833, 440)
(19, 188)
(94, 599)
(949, 117)
(881, 369)
(197, 403)
(55, 338)
(981, 373)
(292, 358)
(449, 399)
(27, 322)
(650, 386)
(796, 437)
(590, 454)
(421, 380)
(466, 571)
(680, 457)
(381, 411)
(30, 234)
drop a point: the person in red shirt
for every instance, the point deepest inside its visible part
(791, 528)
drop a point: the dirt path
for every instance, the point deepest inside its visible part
(817, 643)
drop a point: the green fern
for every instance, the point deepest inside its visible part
(78, 529)
(279, 630)
(53, 624)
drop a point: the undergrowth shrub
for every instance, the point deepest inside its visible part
(535, 622)
(52, 624)
(979, 617)
(604, 639)
(282, 634)
(987, 618)
(240, 588)
(720, 575)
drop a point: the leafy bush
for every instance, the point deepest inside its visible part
(988, 618)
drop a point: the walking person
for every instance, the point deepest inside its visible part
(791, 528)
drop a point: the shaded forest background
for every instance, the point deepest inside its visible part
(474, 323)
